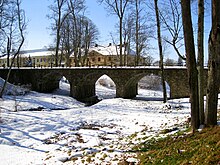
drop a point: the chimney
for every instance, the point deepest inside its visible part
(110, 44)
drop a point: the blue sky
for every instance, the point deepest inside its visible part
(38, 32)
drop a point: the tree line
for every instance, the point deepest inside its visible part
(74, 32)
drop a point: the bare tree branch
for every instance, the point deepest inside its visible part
(21, 26)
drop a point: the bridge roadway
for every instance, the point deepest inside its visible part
(82, 79)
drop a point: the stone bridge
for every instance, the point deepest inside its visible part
(82, 80)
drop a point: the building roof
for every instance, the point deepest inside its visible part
(33, 53)
(110, 50)
(36, 53)
(103, 50)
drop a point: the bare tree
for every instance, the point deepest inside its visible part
(214, 67)
(160, 50)
(137, 30)
(169, 62)
(89, 37)
(61, 10)
(77, 33)
(137, 27)
(191, 62)
(21, 25)
(143, 28)
(118, 7)
(128, 26)
(66, 47)
(58, 15)
(171, 18)
(3, 24)
(200, 65)
(6, 25)
(149, 60)
(11, 31)
(75, 7)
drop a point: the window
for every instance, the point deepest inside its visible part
(109, 58)
(93, 59)
(99, 59)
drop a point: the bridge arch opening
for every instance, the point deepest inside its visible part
(64, 86)
(150, 88)
(105, 87)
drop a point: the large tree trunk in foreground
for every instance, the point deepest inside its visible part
(191, 63)
(214, 66)
(200, 66)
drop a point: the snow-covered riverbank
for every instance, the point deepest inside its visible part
(57, 129)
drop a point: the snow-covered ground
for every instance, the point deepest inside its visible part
(57, 129)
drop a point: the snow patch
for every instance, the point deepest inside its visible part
(12, 89)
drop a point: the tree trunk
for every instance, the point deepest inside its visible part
(191, 63)
(121, 41)
(214, 67)
(76, 34)
(8, 51)
(58, 39)
(137, 34)
(58, 28)
(200, 65)
(161, 52)
(57, 49)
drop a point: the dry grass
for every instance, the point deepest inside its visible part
(199, 148)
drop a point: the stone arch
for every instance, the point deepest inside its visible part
(64, 86)
(85, 88)
(94, 76)
(150, 87)
(132, 84)
(82, 86)
(48, 81)
(105, 83)
(51, 80)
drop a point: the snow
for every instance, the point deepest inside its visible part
(57, 129)
(37, 53)
(12, 89)
(104, 50)
(109, 50)
(34, 53)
